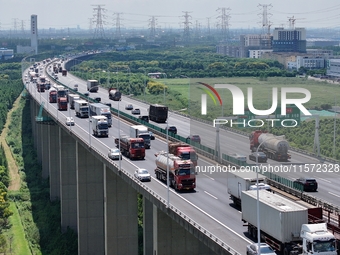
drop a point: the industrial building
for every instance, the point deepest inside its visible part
(289, 40)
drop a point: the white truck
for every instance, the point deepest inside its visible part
(100, 126)
(239, 181)
(285, 226)
(92, 85)
(140, 131)
(72, 98)
(81, 108)
(99, 109)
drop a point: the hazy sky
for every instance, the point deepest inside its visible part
(168, 13)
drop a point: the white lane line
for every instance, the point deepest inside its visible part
(334, 194)
(324, 180)
(210, 195)
(209, 177)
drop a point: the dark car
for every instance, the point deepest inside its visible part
(152, 137)
(144, 118)
(171, 129)
(86, 94)
(309, 184)
(97, 99)
(128, 107)
(194, 138)
(135, 111)
(262, 157)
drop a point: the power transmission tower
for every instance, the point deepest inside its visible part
(224, 17)
(22, 28)
(186, 23)
(208, 26)
(152, 24)
(265, 18)
(99, 20)
(118, 19)
(15, 25)
(90, 25)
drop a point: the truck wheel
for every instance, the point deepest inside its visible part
(286, 251)
(254, 233)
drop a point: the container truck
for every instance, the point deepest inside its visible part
(98, 109)
(92, 85)
(72, 98)
(242, 181)
(100, 127)
(285, 225)
(64, 72)
(115, 94)
(52, 95)
(62, 103)
(181, 172)
(81, 108)
(184, 151)
(275, 147)
(132, 148)
(140, 131)
(158, 113)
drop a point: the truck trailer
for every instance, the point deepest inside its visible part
(158, 113)
(99, 109)
(184, 151)
(140, 131)
(72, 98)
(92, 85)
(242, 181)
(181, 172)
(285, 226)
(275, 147)
(132, 148)
(81, 107)
(99, 126)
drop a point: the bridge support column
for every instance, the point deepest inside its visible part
(171, 238)
(90, 177)
(38, 135)
(68, 180)
(147, 226)
(121, 216)
(54, 161)
(33, 109)
(44, 150)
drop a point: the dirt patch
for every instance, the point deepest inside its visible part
(12, 167)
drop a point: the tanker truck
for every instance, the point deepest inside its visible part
(275, 147)
(288, 227)
(181, 172)
(114, 94)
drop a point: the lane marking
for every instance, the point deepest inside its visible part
(334, 194)
(324, 180)
(209, 177)
(210, 195)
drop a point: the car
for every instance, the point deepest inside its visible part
(108, 104)
(97, 99)
(86, 94)
(239, 157)
(144, 118)
(114, 153)
(261, 156)
(75, 87)
(128, 107)
(142, 174)
(171, 129)
(135, 111)
(309, 184)
(69, 121)
(194, 138)
(152, 137)
(252, 249)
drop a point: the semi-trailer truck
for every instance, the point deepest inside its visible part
(184, 151)
(92, 85)
(72, 98)
(140, 131)
(100, 127)
(158, 113)
(239, 181)
(181, 172)
(81, 107)
(285, 225)
(132, 148)
(52, 95)
(98, 109)
(275, 147)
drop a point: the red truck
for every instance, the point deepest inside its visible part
(52, 96)
(64, 72)
(184, 151)
(62, 103)
(181, 172)
(132, 148)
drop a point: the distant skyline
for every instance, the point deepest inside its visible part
(246, 14)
